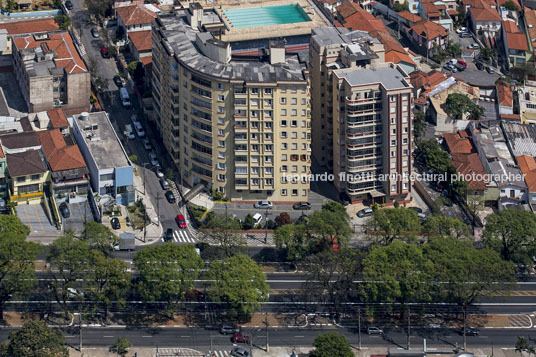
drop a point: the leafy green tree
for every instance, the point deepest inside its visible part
(418, 125)
(323, 226)
(17, 275)
(238, 281)
(335, 207)
(10, 224)
(99, 237)
(98, 8)
(282, 219)
(36, 339)
(69, 260)
(109, 279)
(443, 227)
(510, 5)
(398, 273)
(331, 344)
(63, 21)
(400, 7)
(166, 272)
(389, 224)
(121, 346)
(249, 222)
(454, 49)
(331, 276)
(293, 239)
(226, 232)
(436, 158)
(511, 232)
(57, 4)
(458, 104)
(462, 16)
(487, 53)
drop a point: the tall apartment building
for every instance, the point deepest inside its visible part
(361, 116)
(239, 127)
(50, 72)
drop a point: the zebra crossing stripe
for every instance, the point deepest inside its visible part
(221, 353)
(182, 236)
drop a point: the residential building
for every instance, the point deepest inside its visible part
(527, 164)
(50, 72)
(516, 45)
(361, 116)
(485, 22)
(140, 44)
(426, 35)
(4, 193)
(527, 102)
(111, 172)
(408, 18)
(436, 11)
(331, 5)
(135, 17)
(505, 98)
(68, 170)
(530, 27)
(26, 27)
(236, 126)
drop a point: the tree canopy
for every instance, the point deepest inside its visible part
(458, 104)
(99, 236)
(36, 339)
(331, 344)
(510, 5)
(443, 227)
(13, 225)
(388, 224)
(226, 232)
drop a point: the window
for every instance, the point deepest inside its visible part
(105, 177)
(283, 89)
(294, 168)
(35, 177)
(221, 154)
(254, 136)
(284, 157)
(267, 90)
(28, 188)
(23, 178)
(405, 141)
(304, 168)
(268, 159)
(284, 168)
(221, 143)
(221, 109)
(255, 181)
(283, 123)
(393, 154)
(255, 102)
(393, 187)
(283, 100)
(268, 136)
(393, 109)
(254, 124)
(393, 142)
(283, 112)
(268, 125)
(294, 192)
(294, 146)
(255, 170)
(221, 166)
(268, 147)
(268, 170)
(268, 102)
(221, 97)
(405, 163)
(255, 159)
(293, 101)
(254, 90)
(294, 112)
(392, 98)
(294, 123)
(393, 164)
(221, 177)
(284, 134)
(294, 135)
(303, 101)
(255, 113)
(294, 90)
(241, 170)
(220, 86)
(405, 152)
(267, 113)
(221, 132)
(255, 147)
(405, 185)
(283, 192)
(303, 112)
(393, 131)
(269, 182)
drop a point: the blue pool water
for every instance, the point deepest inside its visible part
(266, 15)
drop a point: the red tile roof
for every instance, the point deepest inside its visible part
(486, 14)
(458, 144)
(409, 16)
(517, 41)
(142, 40)
(397, 57)
(362, 20)
(57, 118)
(510, 26)
(505, 96)
(2, 156)
(146, 60)
(62, 44)
(470, 165)
(420, 79)
(478, 4)
(135, 15)
(60, 156)
(347, 8)
(24, 27)
(431, 9)
(528, 168)
(453, 12)
(510, 116)
(429, 30)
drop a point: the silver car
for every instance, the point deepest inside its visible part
(263, 205)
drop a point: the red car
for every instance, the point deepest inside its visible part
(180, 221)
(194, 294)
(239, 338)
(462, 63)
(104, 52)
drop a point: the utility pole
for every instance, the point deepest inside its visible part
(266, 323)
(144, 224)
(409, 327)
(266, 227)
(359, 326)
(80, 328)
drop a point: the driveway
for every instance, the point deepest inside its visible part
(80, 214)
(35, 217)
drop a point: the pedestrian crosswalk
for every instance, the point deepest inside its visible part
(219, 354)
(181, 236)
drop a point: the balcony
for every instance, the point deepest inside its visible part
(238, 113)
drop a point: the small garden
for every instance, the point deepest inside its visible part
(33, 5)
(138, 215)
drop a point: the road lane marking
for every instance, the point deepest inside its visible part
(299, 336)
(185, 336)
(107, 336)
(38, 218)
(27, 216)
(146, 336)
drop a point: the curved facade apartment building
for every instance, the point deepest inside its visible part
(240, 127)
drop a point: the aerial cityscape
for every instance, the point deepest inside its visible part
(239, 178)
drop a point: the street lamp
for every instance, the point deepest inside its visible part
(266, 227)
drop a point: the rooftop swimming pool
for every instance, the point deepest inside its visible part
(266, 15)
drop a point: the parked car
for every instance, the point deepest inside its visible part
(469, 331)
(474, 46)
(345, 199)
(68, 5)
(95, 32)
(365, 212)
(463, 63)
(114, 222)
(263, 205)
(180, 221)
(129, 132)
(301, 206)
(479, 66)
(459, 67)
(168, 236)
(465, 35)
(158, 171)
(450, 67)
(490, 69)
(64, 210)
(461, 30)
(433, 325)
(239, 338)
(104, 52)
(240, 352)
(257, 218)
(3, 206)
(164, 184)
(135, 119)
(170, 197)
(227, 329)
(373, 330)
(119, 82)
(416, 209)
(147, 144)
(154, 160)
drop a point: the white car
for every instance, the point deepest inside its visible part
(154, 160)
(139, 129)
(147, 144)
(461, 30)
(257, 218)
(474, 45)
(129, 133)
(135, 119)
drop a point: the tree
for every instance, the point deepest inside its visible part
(335, 207)
(324, 226)
(109, 279)
(397, 273)
(17, 268)
(400, 7)
(331, 276)
(293, 239)
(521, 344)
(63, 21)
(121, 346)
(486, 53)
(458, 104)
(36, 339)
(418, 125)
(510, 5)
(98, 8)
(511, 232)
(69, 260)
(282, 219)
(99, 237)
(10, 224)
(226, 232)
(331, 344)
(435, 157)
(454, 49)
(462, 16)
(249, 222)
(166, 272)
(238, 281)
(443, 227)
(389, 224)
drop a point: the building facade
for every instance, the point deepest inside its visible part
(239, 127)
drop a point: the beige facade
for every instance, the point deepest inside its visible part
(240, 128)
(362, 112)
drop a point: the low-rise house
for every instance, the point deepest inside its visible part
(408, 19)
(426, 35)
(527, 164)
(26, 27)
(111, 172)
(485, 22)
(135, 17)
(530, 27)
(505, 98)
(527, 102)
(140, 44)
(516, 45)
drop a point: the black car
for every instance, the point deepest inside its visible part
(170, 197)
(168, 236)
(228, 329)
(118, 82)
(479, 65)
(416, 209)
(345, 199)
(64, 210)
(301, 206)
(469, 331)
(3, 206)
(68, 5)
(114, 222)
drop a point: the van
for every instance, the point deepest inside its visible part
(257, 218)
(125, 98)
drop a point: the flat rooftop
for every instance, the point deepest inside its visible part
(102, 141)
(389, 77)
(266, 15)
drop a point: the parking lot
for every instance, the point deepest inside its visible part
(80, 214)
(35, 217)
